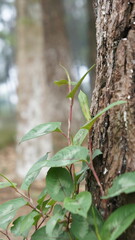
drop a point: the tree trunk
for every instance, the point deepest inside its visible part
(114, 132)
(32, 88)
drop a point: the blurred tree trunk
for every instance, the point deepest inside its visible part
(92, 43)
(114, 132)
(32, 88)
(57, 51)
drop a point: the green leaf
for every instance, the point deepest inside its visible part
(80, 204)
(80, 136)
(42, 196)
(80, 176)
(59, 183)
(74, 90)
(59, 215)
(124, 183)
(9, 182)
(47, 205)
(66, 71)
(8, 211)
(90, 124)
(40, 234)
(67, 156)
(33, 172)
(58, 234)
(84, 228)
(41, 130)
(63, 82)
(118, 222)
(96, 153)
(6, 184)
(23, 224)
(83, 100)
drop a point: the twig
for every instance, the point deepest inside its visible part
(5, 234)
(30, 201)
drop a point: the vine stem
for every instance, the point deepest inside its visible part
(30, 201)
(5, 234)
(90, 165)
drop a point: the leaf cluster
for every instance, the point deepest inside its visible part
(62, 211)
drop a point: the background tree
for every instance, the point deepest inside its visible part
(114, 133)
(57, 51)
(32, 89)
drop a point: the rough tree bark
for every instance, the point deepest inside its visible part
(115, 80)
(32, 89)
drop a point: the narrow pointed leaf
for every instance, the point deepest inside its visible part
(90, 124)
(67, 156)
(6, 184)
(10, 182)
(8, 211)
(68, 76)
(96, 153)
(80, 204)
(80, 137)
(63, 82)
(59, 183)
(83, 100)
(74, 90)
(118, 222)
(41, 130)
(124, 183)
(33, 172)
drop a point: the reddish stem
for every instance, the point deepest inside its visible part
(70, 120)
(90, 165)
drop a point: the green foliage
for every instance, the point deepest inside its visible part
(118, 222)
(122, 184)
(59, 183)
(62, 211)
(41, 130)
(90, 124)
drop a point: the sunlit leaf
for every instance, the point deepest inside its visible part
(90, 124)
(33, 172)
(118, 222)
(63, 82)
(80, 137)
(59, 183)
(41, 130)
(83, 100)
(67, 156)
(8, 211)
(124, 183)
(80, 204)
(74, 90)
